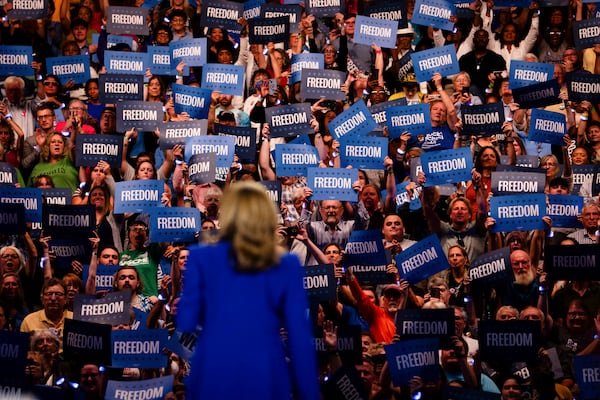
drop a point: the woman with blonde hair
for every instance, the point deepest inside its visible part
(246, 271)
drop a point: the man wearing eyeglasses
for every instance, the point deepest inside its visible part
(53, 315)
(33, 145)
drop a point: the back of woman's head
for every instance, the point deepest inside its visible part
(249, 219)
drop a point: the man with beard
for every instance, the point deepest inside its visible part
(481, 62)
(143, 258)
(331, 229)
(525, 289)
(382, 318)
(128, 278)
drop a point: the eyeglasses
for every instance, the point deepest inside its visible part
(138, 229)
(45, 116)
(51, 83)
(378, 92)
(515, 240)
(57, 294)
(7, 255)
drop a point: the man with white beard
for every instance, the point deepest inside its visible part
(525, 289)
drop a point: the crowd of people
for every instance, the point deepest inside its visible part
(42, 117)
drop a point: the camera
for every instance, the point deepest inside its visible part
(435, 292)
(292, 231)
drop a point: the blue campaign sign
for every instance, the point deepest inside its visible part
(68, 221)
(582, 87)
(320, 283)
(14, 357)
(305, 60)
(66, 68)
(547, 127)
(104, 275)
(94, 148)
(112, 309)
(416, 324)
(363, 152)
(509, 340)
(142, 115)
(382, 32)
(414, 119)
(192, 100)
(447, 166)
(407, 66)
(159, 61)
(172, 133)
(190, 51)
(118, 87)
(332, 183)
(223, 14)
(8, 174)
(289, 120)
(409, 358)
(324, 8)
(274, 11)
(421, 260)
(525, 73)
(581, 173)
(355, 121)
(295, 159)
(402, 196)
(245, 140)
(12, 219)
(273, 189)
(127, 20)
(391, 10)
(28, 10)
(434, 13)
(140, 322)
(586, 371)
(439, 59)
(252, 9)
(538, 95)
(137, 196)
(224, 78)
(87, 341)
(66, 250)
(31, 198)
(265, 30)
(522, 212)
(483, 119)
(202, 168)
(183, 344)
(564, 209)
(175, 224)
(492, 268)
(125, 62)
(150, 389)
(316, 83)
(139, 348)
(586, 33)
(113, 40)
(379, 110)
(462, 10)
(572, 263)
(516, 182)
(224, 146)
(16, 60)
(366, 255)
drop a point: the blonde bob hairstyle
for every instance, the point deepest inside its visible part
(248, 219)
